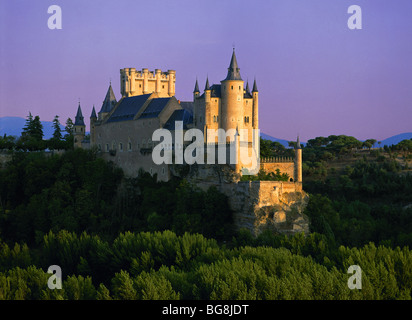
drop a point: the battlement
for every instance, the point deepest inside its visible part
(145, 73)
(134, 83)
(276, 159)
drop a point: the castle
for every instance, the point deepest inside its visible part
(122, 132)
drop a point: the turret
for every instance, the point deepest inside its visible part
(93, 119)
(298, 162)
(196, 91)
(208, 93)
(172, 79)
(232, 92)
(79, 128)
(255, 95)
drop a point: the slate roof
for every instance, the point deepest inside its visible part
(154, 108)
(128, 108)
(179, 115)
(109, 101)
(93, 115)
(215, 91)
(196, 87)
(233, 72)
(187, 105)
(79, 120)
(255, 89)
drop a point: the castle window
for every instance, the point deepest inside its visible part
(140, 85)
(99, 147)
(163, 171)
(239, 88)
(214, 118)
(163, 87)
(232, 87)
(121, 146)
(107, 147)
(129, 146)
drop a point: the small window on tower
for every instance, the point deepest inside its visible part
(232, 87)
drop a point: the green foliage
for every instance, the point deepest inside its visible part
(165, 266)
(269, 149)
(264, 176)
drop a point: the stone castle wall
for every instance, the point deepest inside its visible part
(284, 167)
(257, 205)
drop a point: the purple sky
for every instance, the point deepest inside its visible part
(315, 76)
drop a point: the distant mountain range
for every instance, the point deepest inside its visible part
(13, 126)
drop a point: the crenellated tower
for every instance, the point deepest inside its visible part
(134, 83)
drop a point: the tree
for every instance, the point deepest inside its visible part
(37, 130)
(69, 127)
(28, 126)
(57, 134)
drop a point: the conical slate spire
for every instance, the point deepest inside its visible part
(298, 146)
(233, 72)
(247, 87)
(255, 89)
(207, 87)
(93, 114)
(79, 120)
(109, 101)
(196, 87)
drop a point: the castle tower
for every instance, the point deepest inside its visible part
(93, 119)
(196, 91)
(232, 93)
(255, 115)
(208, 93)
(135, 83)
(79, 128)
(108, 103)
(298, 162)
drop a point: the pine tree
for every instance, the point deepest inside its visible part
(57, 134)
(69, 126)
(37, 129)
(28, 126)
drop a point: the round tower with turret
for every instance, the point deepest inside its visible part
(232, 92)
